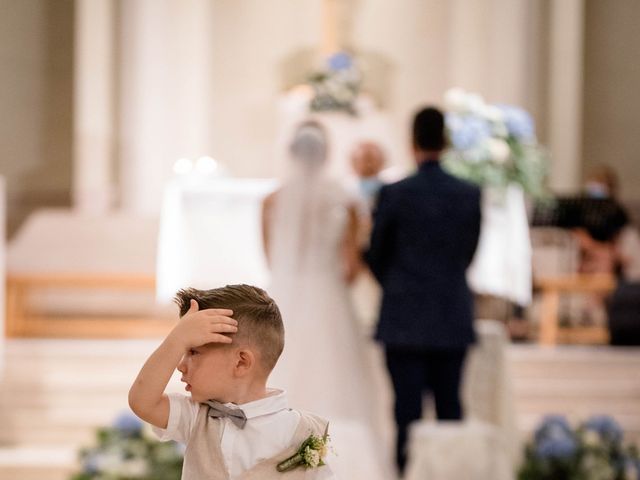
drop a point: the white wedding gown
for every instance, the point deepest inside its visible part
(328, 366)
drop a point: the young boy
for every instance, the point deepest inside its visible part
(225, 345)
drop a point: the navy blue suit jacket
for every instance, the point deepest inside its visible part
(425, 232)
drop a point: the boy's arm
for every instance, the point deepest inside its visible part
(195, 328)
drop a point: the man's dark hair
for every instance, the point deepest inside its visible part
(258, 316)
(428, 129)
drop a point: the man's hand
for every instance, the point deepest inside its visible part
(199, 327)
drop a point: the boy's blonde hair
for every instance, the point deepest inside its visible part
(258, 316)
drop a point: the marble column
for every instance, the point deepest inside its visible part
(565, 93)
(93, 127)
(489, 49)
(468, 45)
(166, 105)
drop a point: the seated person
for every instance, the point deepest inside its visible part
(600, 230)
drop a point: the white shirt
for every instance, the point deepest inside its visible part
(270, 427)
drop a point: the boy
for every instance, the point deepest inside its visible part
(233, 426)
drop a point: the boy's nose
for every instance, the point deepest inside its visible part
(182, 366)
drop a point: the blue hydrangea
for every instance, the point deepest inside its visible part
(128, 424)
(519, 123)
(556, 448)
(606, 427)
(339, 61)
(467, 131)
(91, 464)
(553, 427)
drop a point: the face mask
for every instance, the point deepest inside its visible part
(596, 190)
(370, 186)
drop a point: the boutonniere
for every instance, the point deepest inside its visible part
(310, 454)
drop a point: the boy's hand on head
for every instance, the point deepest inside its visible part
(199, 327)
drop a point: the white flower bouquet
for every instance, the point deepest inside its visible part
(493, 145)
(337, 85)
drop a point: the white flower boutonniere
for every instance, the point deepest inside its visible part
(310, 454)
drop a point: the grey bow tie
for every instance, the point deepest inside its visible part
(218, 410)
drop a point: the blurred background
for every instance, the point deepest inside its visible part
(138, 137)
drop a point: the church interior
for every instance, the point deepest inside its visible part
(138, 139)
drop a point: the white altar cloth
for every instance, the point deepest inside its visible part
(502, 264)
(210, 235)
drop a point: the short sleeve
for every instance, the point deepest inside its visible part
(182, 417)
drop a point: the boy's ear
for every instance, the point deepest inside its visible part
(245, 360)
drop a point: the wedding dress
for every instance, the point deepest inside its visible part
(327, 366)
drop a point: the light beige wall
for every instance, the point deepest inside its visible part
(611, 98)
(416, 52)
(413, 42)
(253, 40)
(35, 104)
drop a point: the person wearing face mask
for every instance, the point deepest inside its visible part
(603, 220)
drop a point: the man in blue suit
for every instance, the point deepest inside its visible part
(425, 233)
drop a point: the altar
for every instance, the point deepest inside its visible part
(209, 234)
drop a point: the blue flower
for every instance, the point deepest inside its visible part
(553, 427)
(339, 61)
(556, 448)
(519, 123)
(606, 427)
(467, 131)
(128, 424)
(91, 464)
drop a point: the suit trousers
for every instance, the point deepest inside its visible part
(414, 372)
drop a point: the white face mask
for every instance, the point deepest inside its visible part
(596, 190)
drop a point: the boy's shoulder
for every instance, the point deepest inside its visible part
(313, 422)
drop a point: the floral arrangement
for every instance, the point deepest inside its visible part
(493, 145)
(593, 451)
(126, 451)
(336, 85)
(310, 454)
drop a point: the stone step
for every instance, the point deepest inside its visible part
(37, 463)
(76, 392)
(55, 393)
(572, 388)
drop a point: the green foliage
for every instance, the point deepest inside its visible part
(126, 452)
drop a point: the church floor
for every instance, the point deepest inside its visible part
(54, 393)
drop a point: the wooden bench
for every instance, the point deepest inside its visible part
(22, 322)
(552, 288)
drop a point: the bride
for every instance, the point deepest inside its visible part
(310, 228)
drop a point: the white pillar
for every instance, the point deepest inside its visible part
(489, 49)
(508, 50)
(469, 42)
(565, 93)
(93, 140)
(166, 104)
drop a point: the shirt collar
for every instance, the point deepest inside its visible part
(274, 402)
